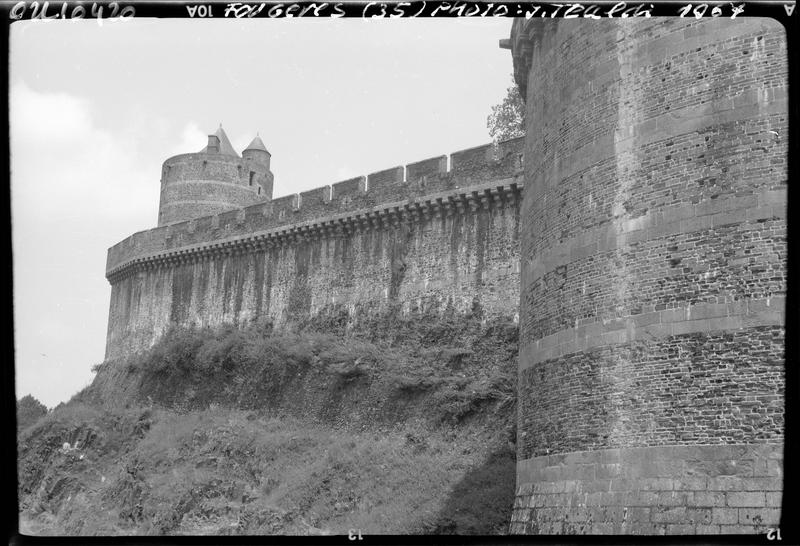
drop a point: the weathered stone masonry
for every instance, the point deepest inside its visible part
(653, 276)
(214, 180)
(414, 239)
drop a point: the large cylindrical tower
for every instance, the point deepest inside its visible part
(214, 180)
(653, 249)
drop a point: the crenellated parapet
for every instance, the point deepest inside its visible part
(483, 177)
(155, 248)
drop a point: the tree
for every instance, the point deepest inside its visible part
(507, 119)
(29, 410)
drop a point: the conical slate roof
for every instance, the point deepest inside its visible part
(225, 146)
(257, 144)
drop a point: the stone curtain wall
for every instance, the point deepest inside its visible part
(431, 240)
(653, 246)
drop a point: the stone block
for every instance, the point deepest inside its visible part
(759, 213)
(593, 498)
(680, 529)
(624, 484)
(656, 484)
(708, 499)
(643, 498)
(607, 471)
(688, 483)
(724, 516)
(762, 484)
(655, 529)
(708, 310)
(673, 514)
(772, 197)
(636, 514)
(653, 331)
(760, 516)
(597, 485)
(746, 499)
(737, 529)
(688, 327)
(604, 528)
(722, 452)
(725, 483)
(607, 456)
(553, 473)
(713, 468)
(645, 319)
(525, 489)
(578, 515)
(698, 223)
(698, 515)
(774, 499)
(614, 498)
(583, 472)
(673, 498)
(555, 499)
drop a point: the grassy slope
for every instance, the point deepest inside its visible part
(243, 431)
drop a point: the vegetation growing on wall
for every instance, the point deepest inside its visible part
(403, 426)
(507, 119)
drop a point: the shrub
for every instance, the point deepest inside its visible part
(29, 410)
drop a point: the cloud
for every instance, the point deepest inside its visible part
(51, 119)
(192, 139)
(63, 163)
(76, 189)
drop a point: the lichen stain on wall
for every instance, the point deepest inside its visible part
(463, 262)
(401, 239)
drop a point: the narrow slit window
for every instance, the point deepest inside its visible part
(252, 177)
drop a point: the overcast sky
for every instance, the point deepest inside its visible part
(95, 111)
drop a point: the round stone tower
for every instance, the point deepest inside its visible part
(653, 251)
(214, 180)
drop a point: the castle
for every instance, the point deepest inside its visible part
(645, 261)
(419, 238)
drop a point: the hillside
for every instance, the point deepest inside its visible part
(401, 427)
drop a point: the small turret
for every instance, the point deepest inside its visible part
(256, 157)
(256, 151)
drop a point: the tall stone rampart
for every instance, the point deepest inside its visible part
(653, 248)
(419, 238)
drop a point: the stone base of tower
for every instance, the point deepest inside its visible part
(675, 490)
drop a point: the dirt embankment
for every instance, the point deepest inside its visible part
(403, 428)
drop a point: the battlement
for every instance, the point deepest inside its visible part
(479, 176)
